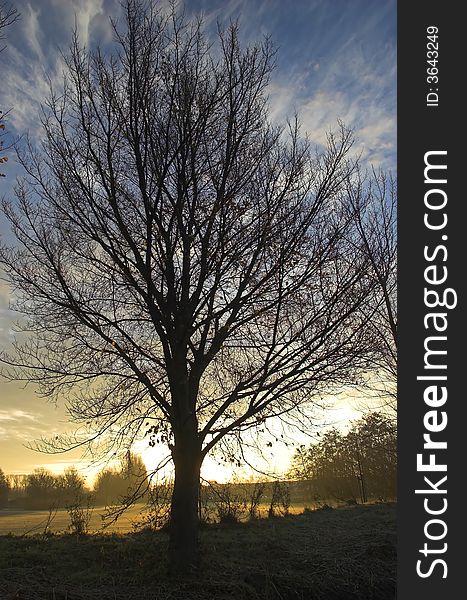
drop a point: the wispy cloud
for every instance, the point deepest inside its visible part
(33, 57)
(21, 425)
(18, 416)
(32, 30)
(335, 59)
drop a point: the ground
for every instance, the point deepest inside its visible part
(21, 522)
(345, 553)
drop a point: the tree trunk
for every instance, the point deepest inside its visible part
(183, 544)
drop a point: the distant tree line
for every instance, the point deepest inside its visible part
(42, 489)
(356, 466)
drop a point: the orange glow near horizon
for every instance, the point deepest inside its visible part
(342, 413)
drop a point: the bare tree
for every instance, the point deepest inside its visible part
(4, 489)
(360, 463)
(374, 204)
(8, 15)
(186, 268)
(4, 158)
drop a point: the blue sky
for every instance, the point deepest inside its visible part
(336, 60)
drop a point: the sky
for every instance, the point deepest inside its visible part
(336, 60)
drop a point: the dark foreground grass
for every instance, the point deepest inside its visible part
(336, 554)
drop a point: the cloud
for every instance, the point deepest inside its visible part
(18, 415)
(4, 296)
(334, 59)
(375, 130)
(21, 425)
(28, 86)
(33, 32)
(7, 316)
(33, 58)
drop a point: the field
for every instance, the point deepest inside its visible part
(335, 554)
(29, 522)
(20, 522)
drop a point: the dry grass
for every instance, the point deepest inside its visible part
(346, 553)
(19, 522)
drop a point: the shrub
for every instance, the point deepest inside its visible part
(280, 499)
(255, 492)
(80, 512)
(230, 503)
(156, 514)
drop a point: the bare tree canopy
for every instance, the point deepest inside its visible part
(358, 464)
(8, 15)
(374, 202)
(181, 261)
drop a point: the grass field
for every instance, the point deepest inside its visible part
(21, 522)
(335, 554)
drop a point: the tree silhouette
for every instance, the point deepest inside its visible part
(71, 486)
(8, 15)
(3, 159)
(375, 207)
(42, 490)
(115, 484)
(186, 268)
(4, 489)
(359, 464)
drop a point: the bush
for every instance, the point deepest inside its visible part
(80, 512)
(280, 499)
(156, 514)
(230, 505)
(254, 492)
